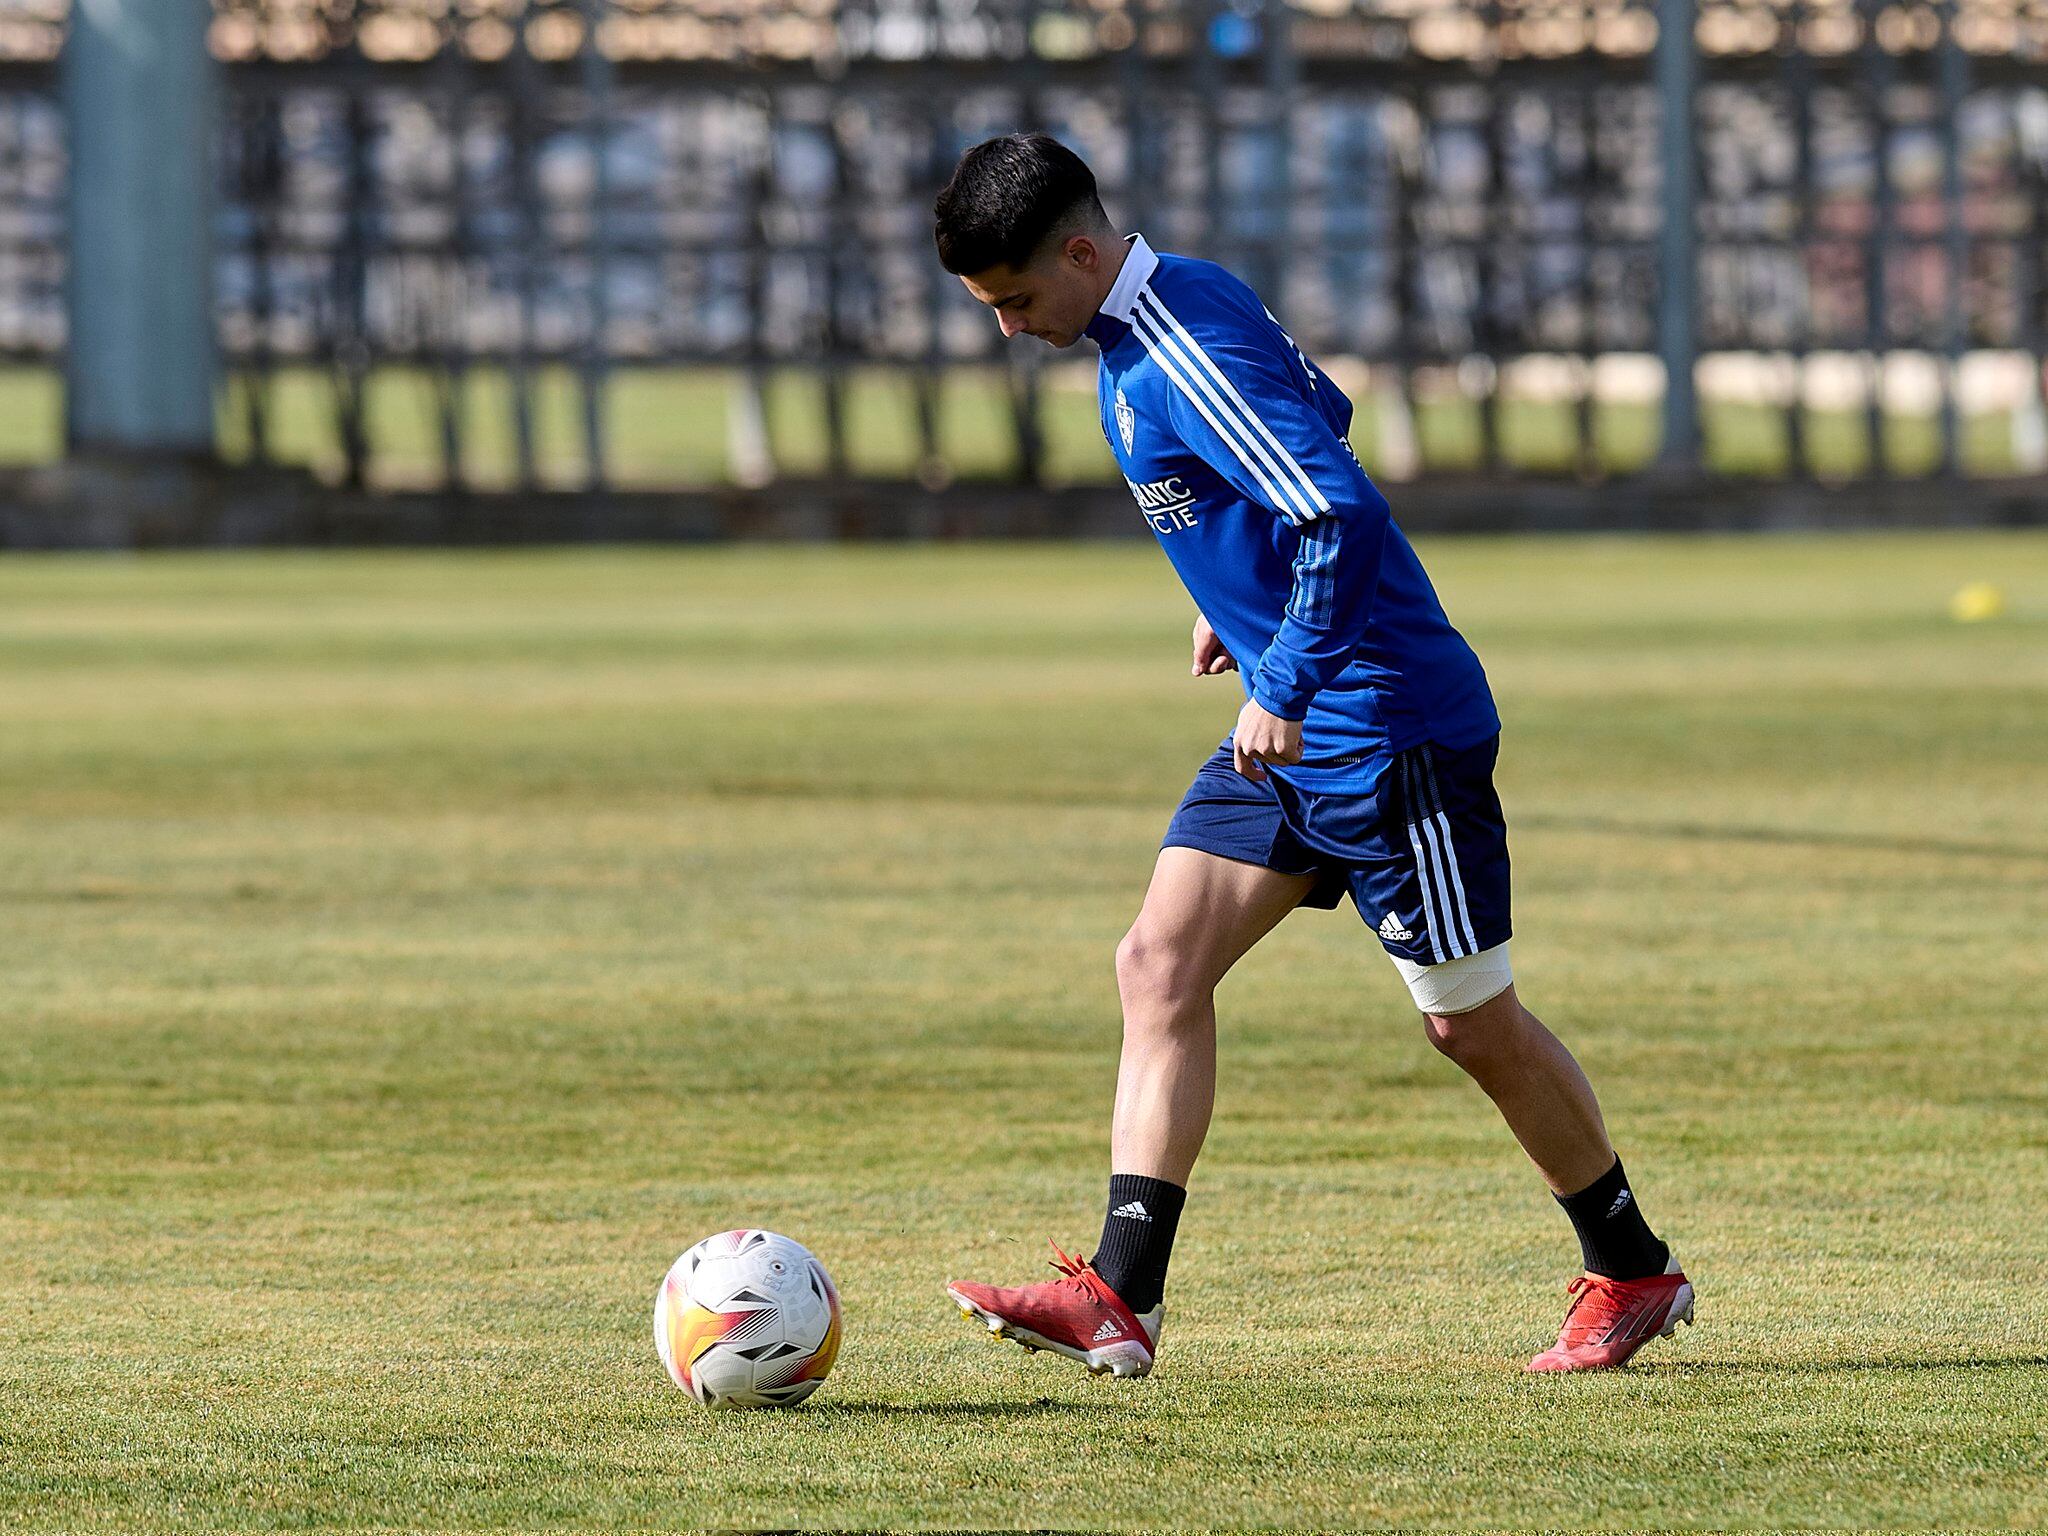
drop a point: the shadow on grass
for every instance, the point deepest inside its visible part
(1036, 1408)
(1838, 1367)
(1874, 842)
(1078, 795)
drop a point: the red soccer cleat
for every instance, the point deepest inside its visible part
(1077, 1315)
(1609, 1320)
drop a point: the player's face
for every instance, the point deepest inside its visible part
(1053, 298)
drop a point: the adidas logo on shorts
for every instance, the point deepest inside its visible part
(1135, 1211)
(1390, 928)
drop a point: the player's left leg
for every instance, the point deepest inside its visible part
(1538, 1088)
(1632, 1290)
(1441, 879)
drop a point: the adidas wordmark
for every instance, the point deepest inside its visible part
(1134, 1210)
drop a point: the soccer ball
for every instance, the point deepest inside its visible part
(747, 1319)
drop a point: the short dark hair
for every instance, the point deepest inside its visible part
(1008, 196)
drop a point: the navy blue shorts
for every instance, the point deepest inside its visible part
(1424, 853)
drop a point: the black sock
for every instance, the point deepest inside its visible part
(1137, 1238)
(1617, 1242)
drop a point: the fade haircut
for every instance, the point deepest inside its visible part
(1008, 196)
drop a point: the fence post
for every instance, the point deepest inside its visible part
(1678, 240)
(139, 366)
(597, 78)
(1953, 71)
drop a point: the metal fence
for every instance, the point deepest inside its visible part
(1472, 201)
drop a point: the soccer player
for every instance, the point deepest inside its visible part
(1362, 760)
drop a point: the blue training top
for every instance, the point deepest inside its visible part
(1234, 446)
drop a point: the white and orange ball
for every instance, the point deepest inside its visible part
(747, 1319)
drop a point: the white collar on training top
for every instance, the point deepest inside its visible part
(1140, 263)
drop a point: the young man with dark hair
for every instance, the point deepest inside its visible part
(1362, 760)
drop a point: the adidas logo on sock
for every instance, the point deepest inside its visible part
(1390, 928)
(1620, 1204)
(1134, 1210)
(1108, 1330)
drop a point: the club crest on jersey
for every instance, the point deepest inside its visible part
(1126, 420)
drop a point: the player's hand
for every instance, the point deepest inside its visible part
(1211, 660)
(1263, 737)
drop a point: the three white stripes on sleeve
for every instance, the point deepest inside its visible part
(1181, 358)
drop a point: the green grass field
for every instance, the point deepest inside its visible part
(669, 427)
(407, 955)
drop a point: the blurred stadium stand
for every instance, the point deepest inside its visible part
(593, 248)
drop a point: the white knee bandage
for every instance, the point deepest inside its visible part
(1460, 985)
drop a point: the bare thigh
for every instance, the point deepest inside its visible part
(1202, 912)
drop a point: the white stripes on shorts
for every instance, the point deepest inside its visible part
(1444, 913)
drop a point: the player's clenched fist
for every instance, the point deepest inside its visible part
(1263, 737)
(1210, 657)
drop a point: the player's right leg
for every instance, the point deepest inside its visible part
(1202, 912)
